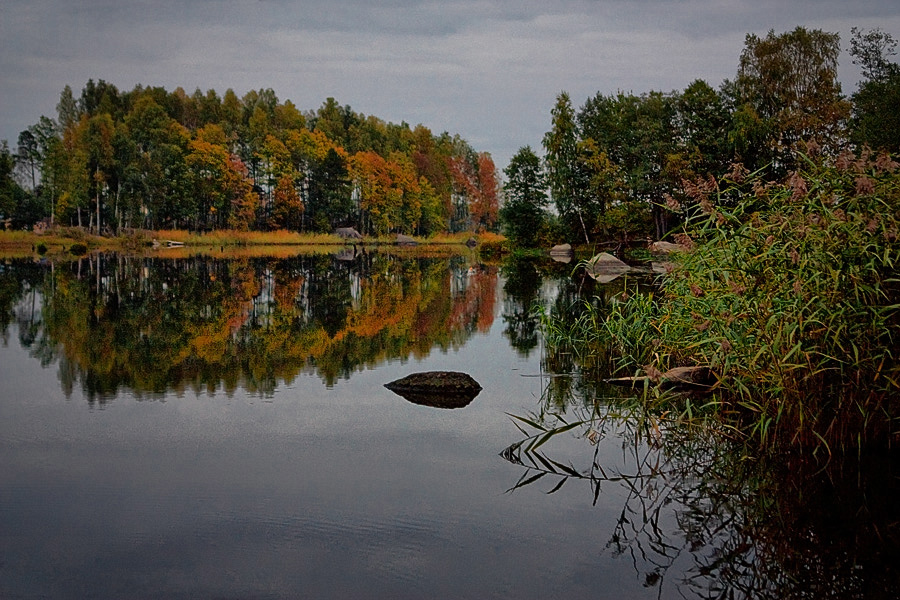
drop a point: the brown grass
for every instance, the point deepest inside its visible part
(17, 244)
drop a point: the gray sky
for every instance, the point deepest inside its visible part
(486, 69)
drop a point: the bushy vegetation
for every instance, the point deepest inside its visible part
(789, 291)
(613, 165)
(78, 249)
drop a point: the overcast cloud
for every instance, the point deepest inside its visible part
(486, 69)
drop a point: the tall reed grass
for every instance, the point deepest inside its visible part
(790, 292)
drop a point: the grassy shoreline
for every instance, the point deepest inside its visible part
(58, 241)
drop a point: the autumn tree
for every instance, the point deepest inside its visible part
(463, 174)
(288, 205)
(431, 156)
(101, 165)
(213, 182)
(152, 158)
(244, 199)
(787, 92)
(485, 205)
(372, 182)
(72, 180)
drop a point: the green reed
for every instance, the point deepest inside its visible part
(789, 291)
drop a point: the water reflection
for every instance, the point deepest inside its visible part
(687, 510)
(702, 516)
(525, 294)
(153, 325)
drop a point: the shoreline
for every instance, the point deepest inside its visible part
(59, 242)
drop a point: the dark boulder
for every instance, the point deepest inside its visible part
(440, 389)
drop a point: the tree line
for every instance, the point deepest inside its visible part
(630, 164)
(149, 158)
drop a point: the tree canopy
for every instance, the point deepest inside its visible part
(627, 164)
(151, 158)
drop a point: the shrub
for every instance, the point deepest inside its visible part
(493, 248)
(792, 296)
(78, 249)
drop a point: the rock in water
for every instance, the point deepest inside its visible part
(562, 253)
(666, 248)
(440, 389)
(605, 267)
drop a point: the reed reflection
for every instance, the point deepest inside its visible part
(706, 516)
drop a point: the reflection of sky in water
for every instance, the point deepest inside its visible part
(349, 491)
(338, 492)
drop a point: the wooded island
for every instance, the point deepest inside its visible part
(623, 165)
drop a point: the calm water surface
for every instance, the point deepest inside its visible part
(200, 428)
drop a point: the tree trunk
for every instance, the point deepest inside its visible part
(584, 229)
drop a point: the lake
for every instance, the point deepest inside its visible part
(218, 427)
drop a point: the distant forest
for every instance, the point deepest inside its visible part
(622, 165)
(149, 158)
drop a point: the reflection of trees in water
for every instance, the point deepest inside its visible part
(703, 516)
(521, 312)
(706, 517)
(577, 350)
(18, 298)
(154, 325)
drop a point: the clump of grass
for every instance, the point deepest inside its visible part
(493, 248)
(639, 254)
(72, 233)
(790, 293)
(135, 239)
(78, 249)
(230, 237)
(450, 238)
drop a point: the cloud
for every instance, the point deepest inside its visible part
(488, 70)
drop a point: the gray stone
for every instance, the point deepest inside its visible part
(666, 248)
(605, 267)
(562, 253)
(348, 233)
